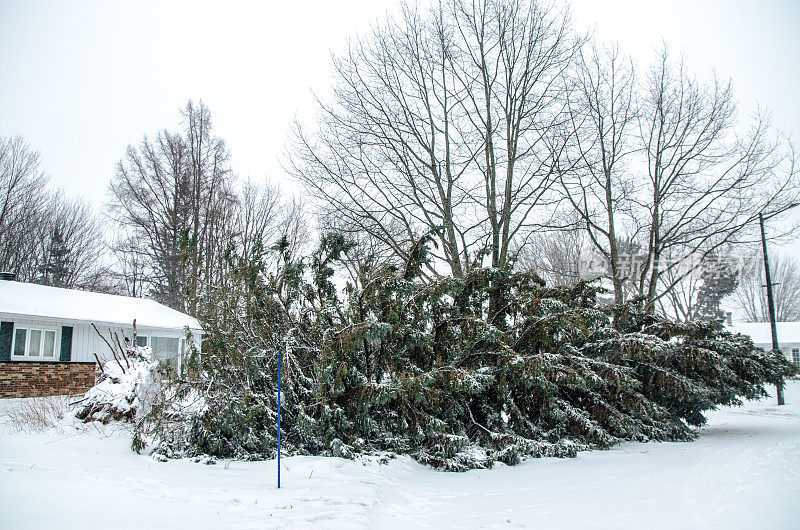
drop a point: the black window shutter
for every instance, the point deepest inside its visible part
(6, 333)
(66, 344)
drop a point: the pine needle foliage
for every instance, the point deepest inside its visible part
(414, 366)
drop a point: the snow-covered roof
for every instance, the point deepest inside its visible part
(19, 298)
(761, 333)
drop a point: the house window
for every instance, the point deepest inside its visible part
(796, 356)
(166, 350)
(35, 343)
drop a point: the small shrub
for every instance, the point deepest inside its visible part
(35, 414)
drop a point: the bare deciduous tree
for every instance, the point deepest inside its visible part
(751, 295)
(70, 246)
(182, 213)
(554, 255)
(264, 215)
(448, 121)
(44, 237)
(705, 183)
(171, 195)
(700, 291)
(664, 164)
(599, 186)
(23, 194)
(130, 266)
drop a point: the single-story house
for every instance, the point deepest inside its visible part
(761, 334)
(49, 336)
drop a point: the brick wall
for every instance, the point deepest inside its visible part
(37, 379)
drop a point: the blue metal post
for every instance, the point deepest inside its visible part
(280, 354)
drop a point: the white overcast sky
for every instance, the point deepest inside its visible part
(81, 80)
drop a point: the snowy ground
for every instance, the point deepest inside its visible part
(743, 472)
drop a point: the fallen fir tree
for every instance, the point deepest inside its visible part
(413, 366)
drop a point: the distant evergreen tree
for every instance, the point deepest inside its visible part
(718, 280)
(56, 270)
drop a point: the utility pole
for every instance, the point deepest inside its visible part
(770, 302)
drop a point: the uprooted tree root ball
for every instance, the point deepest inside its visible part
(126, 386)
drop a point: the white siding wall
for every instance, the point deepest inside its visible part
(86, 342)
